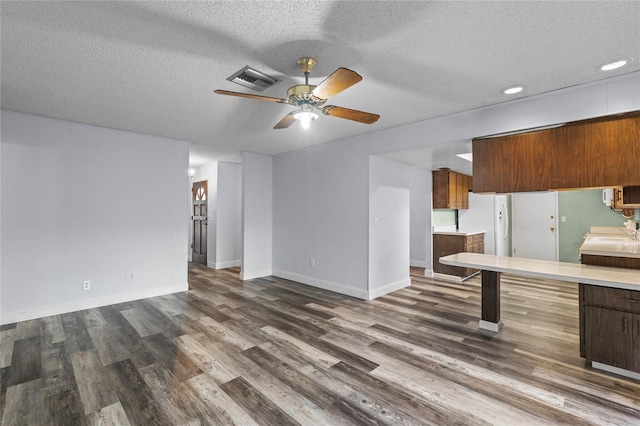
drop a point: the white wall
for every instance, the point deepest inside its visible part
(257, 215)
(320, 193)
(320, 202)
(228, 213)
(81, 202)
(389, 218)
(420, 226)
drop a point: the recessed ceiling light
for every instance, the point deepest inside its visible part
(468, 156)
(513, 89)
(615, 64)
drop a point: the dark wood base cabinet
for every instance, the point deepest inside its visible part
(446, 244)
(609, 321)
(610, 333)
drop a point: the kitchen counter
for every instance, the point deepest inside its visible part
(628, 279)
(458, 232)
(609, 241)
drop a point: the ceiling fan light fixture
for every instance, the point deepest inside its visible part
(305, 118)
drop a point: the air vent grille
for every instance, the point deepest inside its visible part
(252, 79)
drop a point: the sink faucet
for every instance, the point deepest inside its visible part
(631, 230)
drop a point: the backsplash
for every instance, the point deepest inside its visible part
(443, 217)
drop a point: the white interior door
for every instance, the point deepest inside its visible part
(535, 225)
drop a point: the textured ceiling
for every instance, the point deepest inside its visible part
(151, 67)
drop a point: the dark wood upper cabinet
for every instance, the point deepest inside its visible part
(592, 153)
(450, 189)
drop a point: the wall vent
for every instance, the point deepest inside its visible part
(252, 79)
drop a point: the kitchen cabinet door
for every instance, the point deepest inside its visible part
(463, 191)
(609, 337)
(453, 190)
(636, 342)
(514, 163)
(600, 152)
(440, 189)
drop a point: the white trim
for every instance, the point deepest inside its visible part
(244, 276)
(428, 273)
(418, 263)
(615, 370)
(78, 305)
(325, 285)
(491, 326)
(391, 287)
(222, 265)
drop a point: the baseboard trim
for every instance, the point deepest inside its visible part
(428, 273)
(389, 288)
(325, 285)
(79, 305)
(615, 370)
(418, 263)
(223, 265)
(490, 326)
(244, 276)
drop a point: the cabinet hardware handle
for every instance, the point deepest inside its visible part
(624, 324)
(632, 300)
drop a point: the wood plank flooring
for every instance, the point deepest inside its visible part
(274, 352)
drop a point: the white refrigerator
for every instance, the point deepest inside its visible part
(488, 213)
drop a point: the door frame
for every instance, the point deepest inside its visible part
(203, 259)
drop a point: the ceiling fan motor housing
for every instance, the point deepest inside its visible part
(301, 93)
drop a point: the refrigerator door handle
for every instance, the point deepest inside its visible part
(505, 221)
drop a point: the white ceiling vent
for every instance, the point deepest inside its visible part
(252, 79)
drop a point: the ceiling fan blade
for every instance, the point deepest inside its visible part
(350, 114)
(250, 96)
(287, 121)
(341, 79)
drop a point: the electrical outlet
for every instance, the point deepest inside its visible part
(424, 250)
(86, 285)
(128, 278)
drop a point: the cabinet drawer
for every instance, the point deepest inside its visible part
(625, 300)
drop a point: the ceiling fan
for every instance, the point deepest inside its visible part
(307, 97)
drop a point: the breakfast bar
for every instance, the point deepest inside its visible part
(602, 289)
(491, 267)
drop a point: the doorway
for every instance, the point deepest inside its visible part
(535, 225)
(199, 218)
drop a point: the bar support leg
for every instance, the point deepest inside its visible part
(490, 301)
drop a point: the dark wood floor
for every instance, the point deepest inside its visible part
(274, 352)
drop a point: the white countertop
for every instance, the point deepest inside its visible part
(609, 241)
(573, 272)
(458, 232)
